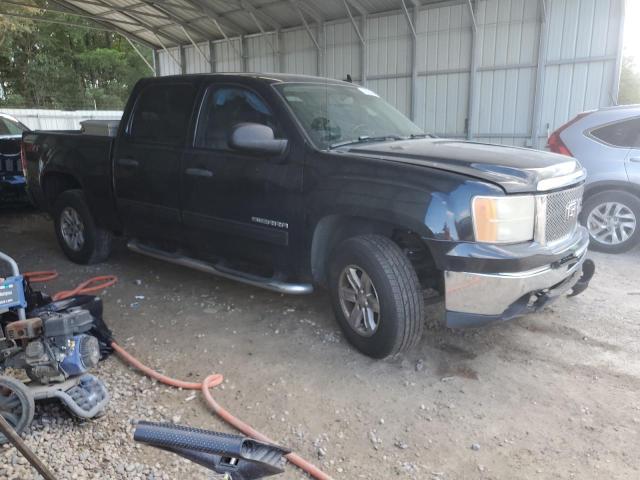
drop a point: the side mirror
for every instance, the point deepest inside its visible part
(257, 139)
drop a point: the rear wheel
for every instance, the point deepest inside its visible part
(81, 240)
(612, 219)
(376, 296)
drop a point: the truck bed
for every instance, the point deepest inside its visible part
(72, 156)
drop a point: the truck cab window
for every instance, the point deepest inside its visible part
(226, 107)
(161, 114)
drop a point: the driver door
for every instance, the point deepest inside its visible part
(235, 204)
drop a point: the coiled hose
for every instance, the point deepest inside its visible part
(95, 284)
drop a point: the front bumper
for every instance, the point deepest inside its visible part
(474, 298)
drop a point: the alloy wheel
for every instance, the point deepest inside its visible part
(72, 228)
(359, 300)
(611, 223)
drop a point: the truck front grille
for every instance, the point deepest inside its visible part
(561, 210)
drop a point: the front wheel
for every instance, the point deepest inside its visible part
(376, 296)
(612, 220)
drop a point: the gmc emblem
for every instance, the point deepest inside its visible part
(571, 210)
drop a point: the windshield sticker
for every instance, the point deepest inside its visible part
(366, 91)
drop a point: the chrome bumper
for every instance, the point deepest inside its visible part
(474, 299)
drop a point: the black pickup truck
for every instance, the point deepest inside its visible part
(289, 182)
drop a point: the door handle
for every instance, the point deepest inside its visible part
(128, 162)
(635, 159)
(199, 172)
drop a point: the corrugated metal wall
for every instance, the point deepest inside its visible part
(37, 119)
(530, 69)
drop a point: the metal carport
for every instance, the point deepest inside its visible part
(502, 71)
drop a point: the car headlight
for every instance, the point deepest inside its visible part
(508, 219)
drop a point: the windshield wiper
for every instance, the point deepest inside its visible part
(366, 139)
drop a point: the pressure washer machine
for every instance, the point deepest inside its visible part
(54, 344)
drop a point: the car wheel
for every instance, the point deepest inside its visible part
(80, 239)
(612, 219)
(376, 296)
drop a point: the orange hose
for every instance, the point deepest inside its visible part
(210, 382)
(43, 276)
(93, 285)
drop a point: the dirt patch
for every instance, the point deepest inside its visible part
(550, 396)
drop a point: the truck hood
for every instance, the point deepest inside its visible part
(516, 170)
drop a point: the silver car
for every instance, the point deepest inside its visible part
(607, 143)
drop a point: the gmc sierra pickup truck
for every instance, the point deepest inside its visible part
(290, 182)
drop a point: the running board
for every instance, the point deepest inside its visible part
(221, 271)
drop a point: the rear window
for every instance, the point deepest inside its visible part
(161, 114)
(624, 134)
(9, 127)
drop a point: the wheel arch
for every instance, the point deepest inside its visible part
(613, 185)
(56, 182)
(331, 230)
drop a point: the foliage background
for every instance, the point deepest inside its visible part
(47, 65)
(630, 82)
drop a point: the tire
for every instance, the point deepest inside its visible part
(597, 215)
(399, 321)
(71, 214)
(16, 405)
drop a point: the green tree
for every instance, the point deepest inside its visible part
(48, 65)
(629, 82)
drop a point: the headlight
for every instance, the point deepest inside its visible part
(503, 219)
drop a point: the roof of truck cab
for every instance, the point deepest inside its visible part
(264, 77)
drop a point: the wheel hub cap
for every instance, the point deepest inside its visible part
(72, 228)
(359, 300)
(611, 223)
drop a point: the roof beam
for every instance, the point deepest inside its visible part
(296, 5)
(353, 22)
(358, 7)
(310, 10)
(172, 16)
(108, 25)
(145, 25)
(219, 18)
(66, 11)
(129, 8)
(254, 12)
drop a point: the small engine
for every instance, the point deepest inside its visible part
(51, 347)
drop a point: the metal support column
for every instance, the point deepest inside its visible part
(156, 63)
(183, 61)
(414, 67)
(322, 40)
(536, 116)
(281, 59)
(243, 54)
(212, 56)
(473, 106)
(364, 53)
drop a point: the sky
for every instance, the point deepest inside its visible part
(631, 30)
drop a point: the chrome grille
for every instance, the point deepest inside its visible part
(561, 211)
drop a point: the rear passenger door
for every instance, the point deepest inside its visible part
(147, 160)
(235, 204)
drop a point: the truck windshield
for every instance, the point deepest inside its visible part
(336, 115)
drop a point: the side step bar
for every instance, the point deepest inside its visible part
(221, 271)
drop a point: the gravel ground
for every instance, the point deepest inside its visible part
(548, 396)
